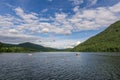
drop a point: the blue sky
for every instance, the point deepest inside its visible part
(55, 23)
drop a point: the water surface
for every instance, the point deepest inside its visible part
(60, 66)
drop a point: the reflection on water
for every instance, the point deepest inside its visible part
(60, 66)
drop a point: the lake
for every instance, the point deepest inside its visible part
(59, 66)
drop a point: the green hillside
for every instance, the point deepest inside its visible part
(24, 47)
(106, 41)
(36, 47)
(12, 48)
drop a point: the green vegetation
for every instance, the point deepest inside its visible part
(36, 47)
(24, 47)
(106, 41)
(12, 48)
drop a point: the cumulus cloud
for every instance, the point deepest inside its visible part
(12, 37)
(61, 44)
(89, 2)
(28, 18)
(92, 19)
(35, 24)
(77, 2)
(94, 2)
(44, 10)
(115, 8)
(62, 23)
(8, 20)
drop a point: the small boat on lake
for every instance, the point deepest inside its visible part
(77, 54)
(30, 54)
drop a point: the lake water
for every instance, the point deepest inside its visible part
(60, 66)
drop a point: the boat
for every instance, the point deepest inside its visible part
(77, 54)
(30, 54)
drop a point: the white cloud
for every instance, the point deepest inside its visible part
(13, 31)
(50, 0)
(39, 25)
(45, 30)
(94, 2)
(6, 21)
(77, 2)
(62, 23)
(91, 19)
(44, 10)
(13, 38)
(115, 8)
(28, 18)
(77, 43)
(61, 44)
(75, 9)
(91, 2)
(10, 37)
(9, 5)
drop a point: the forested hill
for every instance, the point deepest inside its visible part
(36, 47)
(24, 47)
(106, 41)
(12, 48)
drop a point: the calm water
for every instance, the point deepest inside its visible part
(60, 66)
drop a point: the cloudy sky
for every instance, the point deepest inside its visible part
(55, 23)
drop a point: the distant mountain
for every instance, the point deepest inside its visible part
(24, 47)
(106, 41)
(12, 48)
(36, 47)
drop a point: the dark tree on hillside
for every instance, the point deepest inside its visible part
(1, 45)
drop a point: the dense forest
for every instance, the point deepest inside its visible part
(12, 48)
(106, 41)
(24, 47)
